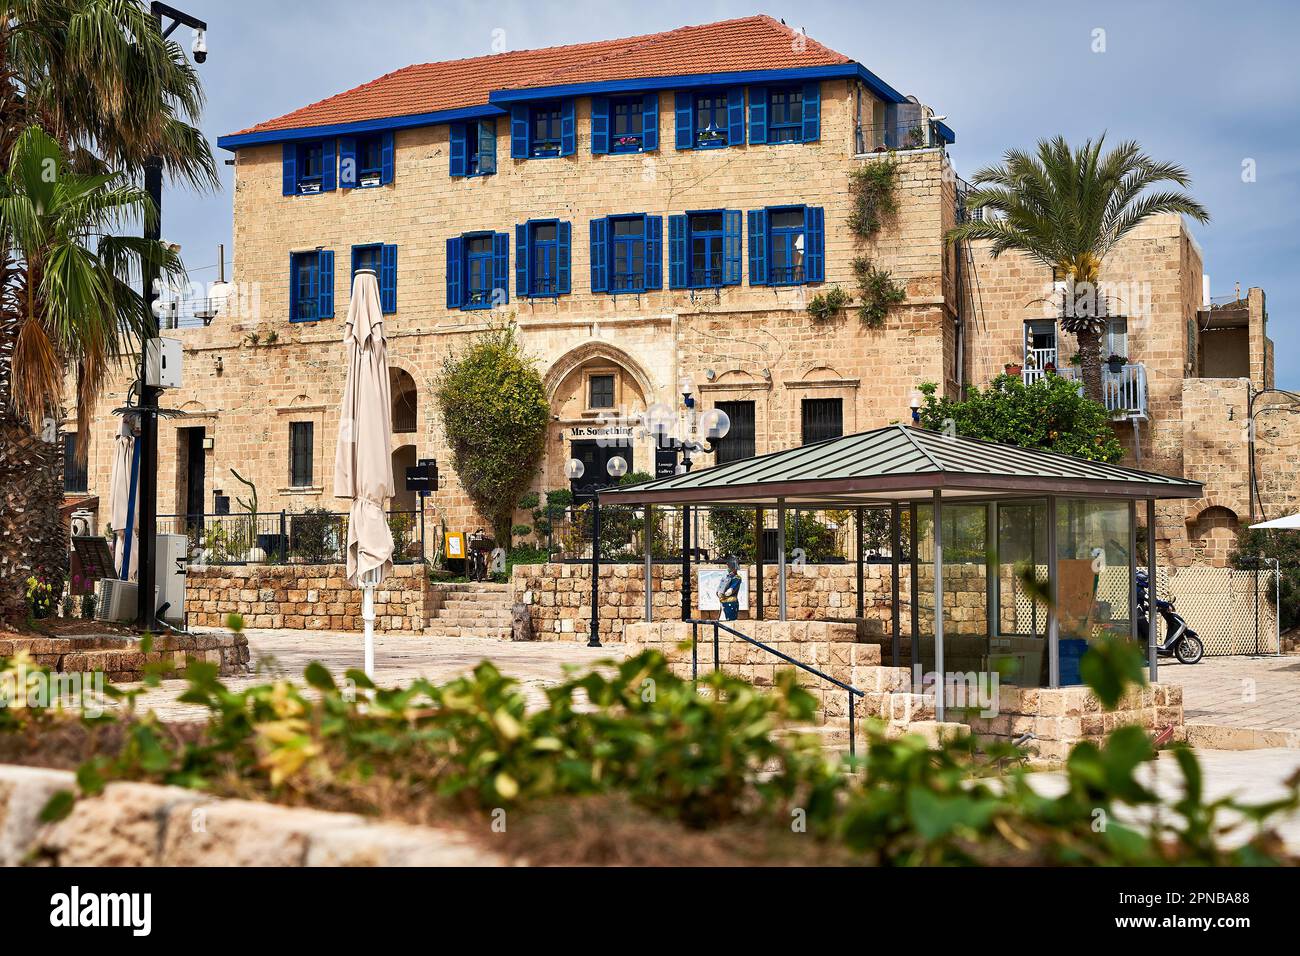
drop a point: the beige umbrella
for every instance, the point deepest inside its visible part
(363, 464)
(120, 500)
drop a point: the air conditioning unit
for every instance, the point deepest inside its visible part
(83, 523)
(117, 600)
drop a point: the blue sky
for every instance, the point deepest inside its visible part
(1205, 84)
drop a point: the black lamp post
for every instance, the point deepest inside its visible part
(146, 611)
(617, 468)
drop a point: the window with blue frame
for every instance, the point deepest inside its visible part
(382, 260)
(545, 129)
(366, 160)
(627, 254)
(710, 120)
(474, 148)
(311, 285)
(477, 270)
(787, 245)
(370, 150)
(704, 249)
(626, 124)
(309, 167)
(542, 254)
(785, 114)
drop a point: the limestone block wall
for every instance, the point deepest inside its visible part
(313, 597)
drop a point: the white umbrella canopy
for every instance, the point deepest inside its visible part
(119, 495)
(1290, 521)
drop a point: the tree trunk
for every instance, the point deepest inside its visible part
(33, 540)
(1090, 367)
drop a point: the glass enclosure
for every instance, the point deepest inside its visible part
(1093, 576)
(1018, 641)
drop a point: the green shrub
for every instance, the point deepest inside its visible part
(877, 291)
(827, 305)
(872, 197)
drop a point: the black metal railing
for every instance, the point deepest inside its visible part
(718, 626)
(787, 275)
(286, 537)
(628, 282)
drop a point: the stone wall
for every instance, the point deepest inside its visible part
(121, 659)
(312, 596)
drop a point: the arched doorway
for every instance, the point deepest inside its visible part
(405, 401)
(404, 457)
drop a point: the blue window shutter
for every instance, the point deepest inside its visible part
(599, 255)
(654, 252)
(736, 116)
(325, 284)
(347, 162)
(650, 122)
(290, 159)
(458, 149)
(677, 252)
(522, 258)
(812, 112)
(814, 259)
(388, 279)
(568, 129)
(519, 131)
(599, 125)
(455, 271)
(731, 247)
(329, 168)
(685, 120)
(757, 114)
(758, 247)
(563, 258)
(501, 267)
(387, 152)
(487, 145)
(293, 291)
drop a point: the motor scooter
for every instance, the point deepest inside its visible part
(1180, 641)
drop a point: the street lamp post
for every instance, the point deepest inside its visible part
(574, 470)
(146, 609)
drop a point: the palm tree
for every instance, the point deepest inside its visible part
(100, 80)
(1067, 208)
(70, 303)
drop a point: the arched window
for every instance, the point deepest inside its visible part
(402, 387)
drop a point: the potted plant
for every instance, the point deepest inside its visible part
(1049, 368)
(1013, 368)
(1077, 360)
(1116, 363)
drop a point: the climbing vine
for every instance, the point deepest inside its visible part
(872, 191)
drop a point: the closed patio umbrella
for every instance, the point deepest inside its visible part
(363, 464)
(121, 501)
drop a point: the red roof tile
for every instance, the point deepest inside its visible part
(751, 43)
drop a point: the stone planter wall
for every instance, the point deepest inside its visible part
(140, 824)
(120, 658)
(314, 597)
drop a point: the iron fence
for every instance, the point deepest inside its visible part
(286, 537)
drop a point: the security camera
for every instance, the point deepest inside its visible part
(199, 46)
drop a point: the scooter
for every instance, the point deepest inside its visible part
(1180, 641)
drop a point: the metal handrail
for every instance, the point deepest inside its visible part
(717, 665)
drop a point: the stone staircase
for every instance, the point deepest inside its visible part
(472, 610)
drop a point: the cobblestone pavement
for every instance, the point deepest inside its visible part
(1259, 693)
(398, 659)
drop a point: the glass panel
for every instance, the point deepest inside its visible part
(1092, 576)
(1018, 646)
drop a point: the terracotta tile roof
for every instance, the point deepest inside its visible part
(751, 43)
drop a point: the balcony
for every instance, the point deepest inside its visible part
(1124, 392)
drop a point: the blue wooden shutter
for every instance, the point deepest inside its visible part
(519, 131)
(685, 103)
(758, 247)
(758, 114)
(522, 258)
(677, 274)
(455, 272)
(500, 268)
(736, 116)
(731, 247)
(328, 166)
(387, 153)
(325, 283)
(654, 252)
(289, 155)
(599, 255)
(293, 291)
(812, 112)
(388, 279)
(487, 146)
(568, 129)
(599, 125)
(458, 149)
(347, 162)
(564, 234)
(650, 122)
(814, 257)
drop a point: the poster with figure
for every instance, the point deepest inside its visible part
(708, 580)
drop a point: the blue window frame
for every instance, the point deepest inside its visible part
(627, 254)
(542, 129)
(627, 258)
(309, 167)
(478, 271)
(382, 260)
(710, 120)
(311, 285)
(542, 255)
(478, 265)
(370, 162)
(366, 161)
(474, 148)
(787, 245)
(545, 129)
(785, 114)
(704, 249)
(626, 125)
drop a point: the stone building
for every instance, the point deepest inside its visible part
(646, 211)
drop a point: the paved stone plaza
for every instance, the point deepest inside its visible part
(1249, 693)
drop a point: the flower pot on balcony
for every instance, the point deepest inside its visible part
(1013, 368)
(1050, 368)
(1116, 364)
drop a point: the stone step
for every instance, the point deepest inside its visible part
(488, 600)
(465, 587)
(470, 620)
(440, 629)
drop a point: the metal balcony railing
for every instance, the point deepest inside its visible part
(1124, 392)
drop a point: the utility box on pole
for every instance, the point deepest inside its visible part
(162, 362)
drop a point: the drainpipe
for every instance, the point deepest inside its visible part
(1137, 441)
